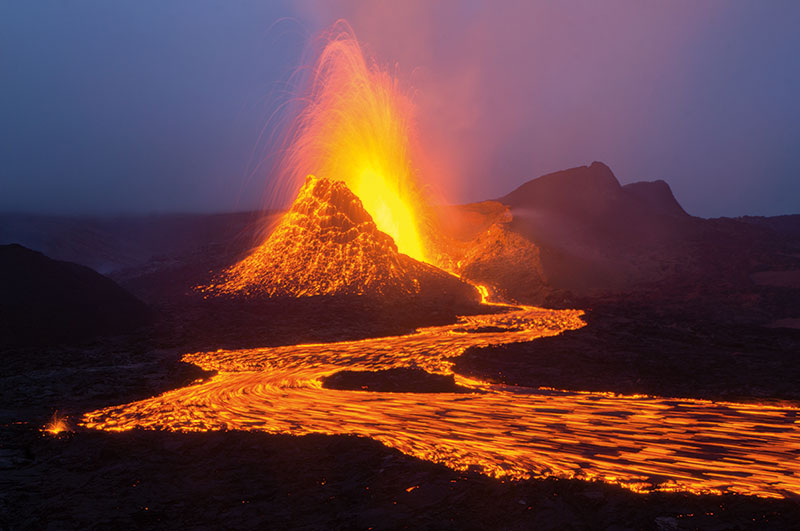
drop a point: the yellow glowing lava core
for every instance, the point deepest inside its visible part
(357, 127)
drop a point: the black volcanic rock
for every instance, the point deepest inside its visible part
(648, 347)
(44, 301)
(657, 195)
(587, 207)
(596, 234)
(396, 380)
(143, 479)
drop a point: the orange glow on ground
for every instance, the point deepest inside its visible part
(358, 128)
(642, 443)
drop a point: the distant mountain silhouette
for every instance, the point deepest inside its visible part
(786, 226)
(44, 301)
(656, 195)
(593, 232)
(587, 206)
(576, 230)
(596, 235)
(110, 244)
(327, 244)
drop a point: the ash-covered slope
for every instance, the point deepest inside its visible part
(327, 244)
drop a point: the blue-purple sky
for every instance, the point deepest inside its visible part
(132, 106)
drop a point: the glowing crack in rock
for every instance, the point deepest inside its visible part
(643, 443)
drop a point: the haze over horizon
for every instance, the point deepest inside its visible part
(124, 107)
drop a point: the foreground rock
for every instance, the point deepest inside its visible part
(240, 480)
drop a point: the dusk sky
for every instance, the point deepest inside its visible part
(130, 106)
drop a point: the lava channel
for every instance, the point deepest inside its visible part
(640, 442)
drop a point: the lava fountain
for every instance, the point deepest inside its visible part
(359, 222)
(57, 425)
(358, 127)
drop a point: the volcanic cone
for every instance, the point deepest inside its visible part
(328, 244)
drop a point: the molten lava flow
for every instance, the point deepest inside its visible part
(643, 443)
(358, 127)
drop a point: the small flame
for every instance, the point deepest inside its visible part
(57, 425)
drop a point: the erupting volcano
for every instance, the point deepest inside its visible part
(327, 244)
(360, 226)
(358, 126)
(363, 234)
(391, 283)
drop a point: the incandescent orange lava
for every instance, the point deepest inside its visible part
(360, 204)
(57, 425)
(358, 127)
(643, 443)
(327, 244)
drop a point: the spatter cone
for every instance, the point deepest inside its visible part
(328, 244)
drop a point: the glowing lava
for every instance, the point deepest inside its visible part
(57, 425)
(327, 244)
(356, 225)
(643, 443)
(358, 127)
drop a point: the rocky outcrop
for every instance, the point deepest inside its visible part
(507, 263)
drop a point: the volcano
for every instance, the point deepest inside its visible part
(328, 244)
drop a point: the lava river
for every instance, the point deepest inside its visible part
(643, 443)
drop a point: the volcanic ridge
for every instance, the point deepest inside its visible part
(328, 244)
